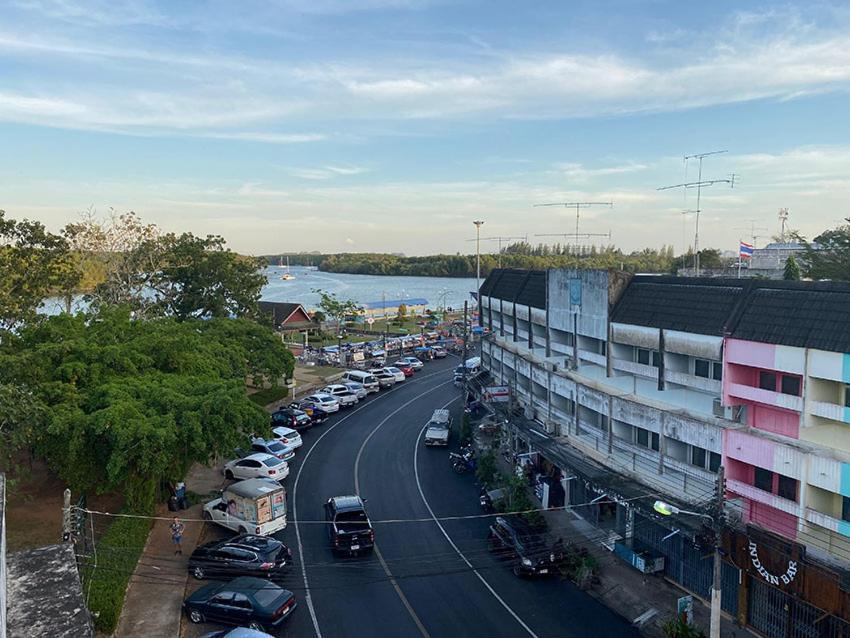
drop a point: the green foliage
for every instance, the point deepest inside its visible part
(337, 308)
(105, 578)
(33, 264)
(465, 434)
(517, 499)
(318, 316)
(676, 628)
(828, 256)
(486, 471)
(22, 415)
(129, 404)
(402, 312)
(792, 269)
(270, 395)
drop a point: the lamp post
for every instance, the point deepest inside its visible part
(478, 223)
(716, 521)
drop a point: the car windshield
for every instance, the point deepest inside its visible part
(369, 379)
(272, 461)
(268, 596)
(393, 370)
(276, 447)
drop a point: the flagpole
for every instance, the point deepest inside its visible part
(740, 258)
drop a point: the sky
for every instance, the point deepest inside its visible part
(390, 125)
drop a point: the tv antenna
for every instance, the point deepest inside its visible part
(578, 206)
(753, 230)
(783, 220)
(500, 239)
(699, 185)
(576, 236)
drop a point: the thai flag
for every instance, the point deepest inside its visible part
(746, 250)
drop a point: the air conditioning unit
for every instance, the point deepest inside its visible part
(737, 413)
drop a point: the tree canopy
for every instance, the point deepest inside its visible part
(792, 269)
(828, 256)
(336, 308)
(125, 404)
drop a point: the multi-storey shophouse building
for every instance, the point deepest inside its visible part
(652, 383)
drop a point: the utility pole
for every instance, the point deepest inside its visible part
(716, 589)
(66, 516)
(465, 349)
(699, 184)
(577, 206)
(478, 224)
(783, 220)
(500, 239)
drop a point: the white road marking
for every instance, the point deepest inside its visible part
(452, 543)
(307, 596)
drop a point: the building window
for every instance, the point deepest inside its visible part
(702, 368)
(847, 396)
(713, 462)
(767, 381)
(647, 439)
(787, 488)
(790, 385)
(698, 455)
(763, 479)
(717, 371)
(845, 508)
(648, 357)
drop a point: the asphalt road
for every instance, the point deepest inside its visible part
(427, 578)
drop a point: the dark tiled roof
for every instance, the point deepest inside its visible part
(280, 311)
(533, 293)
(490, 282)
(816, 317)
(527, 287)
(702, 306)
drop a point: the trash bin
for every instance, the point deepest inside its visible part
(172, 504)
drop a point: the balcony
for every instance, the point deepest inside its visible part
(691, 381)
(827, 522)
(592, 357)
(755, 494)
(830, 411)
(766, 397)
(639, 369)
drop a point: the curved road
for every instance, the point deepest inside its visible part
(417, 583)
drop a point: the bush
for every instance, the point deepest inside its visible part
(105, 579)
(465, 429)
(486, 471)
(676, 628)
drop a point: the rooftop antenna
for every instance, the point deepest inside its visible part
(783, 220)
(577, 206)
(577, 236)
(699, 184)
(500, 239)
(753, 230)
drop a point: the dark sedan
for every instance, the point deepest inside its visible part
(294, 418)
(249, 602)
(511, 536)
(243, 555)
(316, 412)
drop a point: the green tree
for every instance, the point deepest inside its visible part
(33, 265)
(828, 256)
(336, 308)
(402, 312)
(792, 269)
(129, 404)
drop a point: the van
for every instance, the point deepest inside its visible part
(367, 380)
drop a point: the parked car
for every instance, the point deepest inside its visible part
(243, 555)
(257, 465)
(257, 505)
(274, 447)
(438, 429)
(316, 413)
(349, 528)
(288, 436)
(247, 601)
(397, 374)
(440, 352)
(413, 362)
(385, 379)
(341, 393)
(292, 417)
(325, 401)
(532, 556)
(408, 371)
(238, 632)
(357, 389)
(369, 382)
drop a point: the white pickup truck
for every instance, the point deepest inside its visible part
(256, 506)
(439, 429)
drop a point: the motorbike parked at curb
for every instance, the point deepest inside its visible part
(463, 462)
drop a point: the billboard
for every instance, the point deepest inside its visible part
(497, 393)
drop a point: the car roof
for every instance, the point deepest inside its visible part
(250, 584)
(282, 430)
(335, 385)
(254, 542)
(321, 395)
(440, 416)
(347, 502)
(258, 456)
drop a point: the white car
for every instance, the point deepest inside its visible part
(324, 401)
(341, 393)
(397, 374)
(287, 436)
(357, 388)
(257, 465)
(413, 362)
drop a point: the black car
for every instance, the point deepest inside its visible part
(533, 557)
(249, 602)
(294, 418)
(243, 555)
(316, 412)
(349, 528)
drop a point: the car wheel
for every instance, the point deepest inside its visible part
(199, 573)
(255, 626)
(242, 530)
(196, 617)
(517, 571)
(206, 516)
(228, 475)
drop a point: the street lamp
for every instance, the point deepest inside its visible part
(478, 223)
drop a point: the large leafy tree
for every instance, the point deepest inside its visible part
(128, 404)
(828, 256)
(336, 308)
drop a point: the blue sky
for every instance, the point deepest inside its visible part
(389, 125)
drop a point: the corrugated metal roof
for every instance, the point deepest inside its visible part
(527, 287)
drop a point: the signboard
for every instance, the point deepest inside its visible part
(370, 320)
(358, 356)
(685, 609)
(497, 394)
(575, 292)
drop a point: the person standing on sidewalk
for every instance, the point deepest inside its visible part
(177, 529)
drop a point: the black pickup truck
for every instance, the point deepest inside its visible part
(349, 528)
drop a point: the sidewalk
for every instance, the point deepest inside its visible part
(153, 605)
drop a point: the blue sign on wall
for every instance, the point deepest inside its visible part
(575, 292)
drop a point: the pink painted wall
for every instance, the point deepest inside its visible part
(750, 353)
(749, 449)
(774, 420)
(773, 519)
(738, 471)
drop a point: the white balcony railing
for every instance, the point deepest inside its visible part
(631, 367)
(755, 494)
(692, 381)
(593, 357)
(767, 397)
(830, 411)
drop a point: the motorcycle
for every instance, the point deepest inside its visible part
(463, 462)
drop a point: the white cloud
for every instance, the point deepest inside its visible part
(326, 172)
(578, 172)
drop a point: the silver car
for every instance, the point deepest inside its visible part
(357, 388)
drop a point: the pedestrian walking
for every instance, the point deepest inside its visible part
(177, 529)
